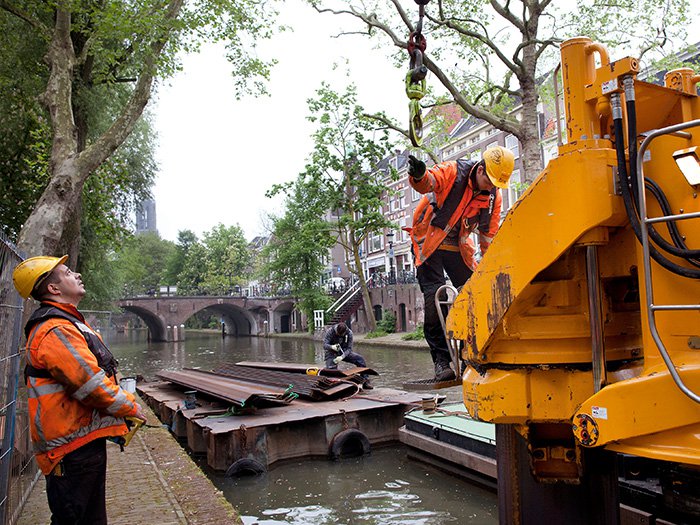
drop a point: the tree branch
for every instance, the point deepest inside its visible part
(498, 122)
(110, 140)
(26, 17)
(390, 125)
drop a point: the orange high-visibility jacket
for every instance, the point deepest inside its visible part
(79, 402)
(450, 201)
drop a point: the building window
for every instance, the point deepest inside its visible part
(375, 243)
(403, 235)
(492, 144)
(414, 195)
(513, 145)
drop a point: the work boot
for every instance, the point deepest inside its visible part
(367, 385)
(443, 372)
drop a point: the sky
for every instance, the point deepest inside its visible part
(218, 156)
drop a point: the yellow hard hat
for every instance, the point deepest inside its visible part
(30, 272)
(499, 165)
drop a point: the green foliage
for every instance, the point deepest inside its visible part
(337, 199)
(227, 258)
(416, 335)
(103, 58)
(214, 265)
(138, 267)
(300, 241)
(110, 194)
(185, 240)
(386, 326)
(388, 322)
(347, 163)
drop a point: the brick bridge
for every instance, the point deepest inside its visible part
(166, 316)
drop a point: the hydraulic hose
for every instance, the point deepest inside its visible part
(679, 249)
(627, 197)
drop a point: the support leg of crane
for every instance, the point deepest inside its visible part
(522, 500)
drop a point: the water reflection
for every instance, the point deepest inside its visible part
(382, 488)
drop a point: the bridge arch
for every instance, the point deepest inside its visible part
(157, 328)
(283, 317)
(237, 321)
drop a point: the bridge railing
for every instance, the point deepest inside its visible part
(236, 291)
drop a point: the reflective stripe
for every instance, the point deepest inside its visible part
(92, 384)
(45, 390)
(486, 239)
(119, 402)
(97, 422)
(78, 357)
(37, 424)
(29, 345)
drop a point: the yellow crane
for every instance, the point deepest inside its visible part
(580, 329)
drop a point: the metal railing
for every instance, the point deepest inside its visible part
(381, 279)
(344, 299)
(18, 470)
(652, 307)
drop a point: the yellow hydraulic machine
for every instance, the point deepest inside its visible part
(580, 329)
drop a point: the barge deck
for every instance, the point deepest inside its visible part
(254, 440)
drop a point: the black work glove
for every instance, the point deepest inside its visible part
(416, 168)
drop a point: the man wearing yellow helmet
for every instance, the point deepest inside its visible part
(74, 400)
(460, 197)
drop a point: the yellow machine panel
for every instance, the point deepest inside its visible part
(585, 312)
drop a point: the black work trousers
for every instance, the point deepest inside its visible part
(431, 276)
(77, 496)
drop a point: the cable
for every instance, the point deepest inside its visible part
(627, 198)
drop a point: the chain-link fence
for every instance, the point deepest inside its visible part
(18, 470)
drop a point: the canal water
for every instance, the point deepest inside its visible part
(383, 488)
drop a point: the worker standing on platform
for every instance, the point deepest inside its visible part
(75, 403)
(337, 345)
(459, 197)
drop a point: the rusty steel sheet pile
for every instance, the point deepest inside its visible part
(313, 387)
(239, 393)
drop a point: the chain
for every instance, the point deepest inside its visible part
(415, 78)
(244, 439)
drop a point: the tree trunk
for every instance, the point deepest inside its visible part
(529, 139)
(530, 136)
(51, 227)
(367, 300)
(45, 231)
